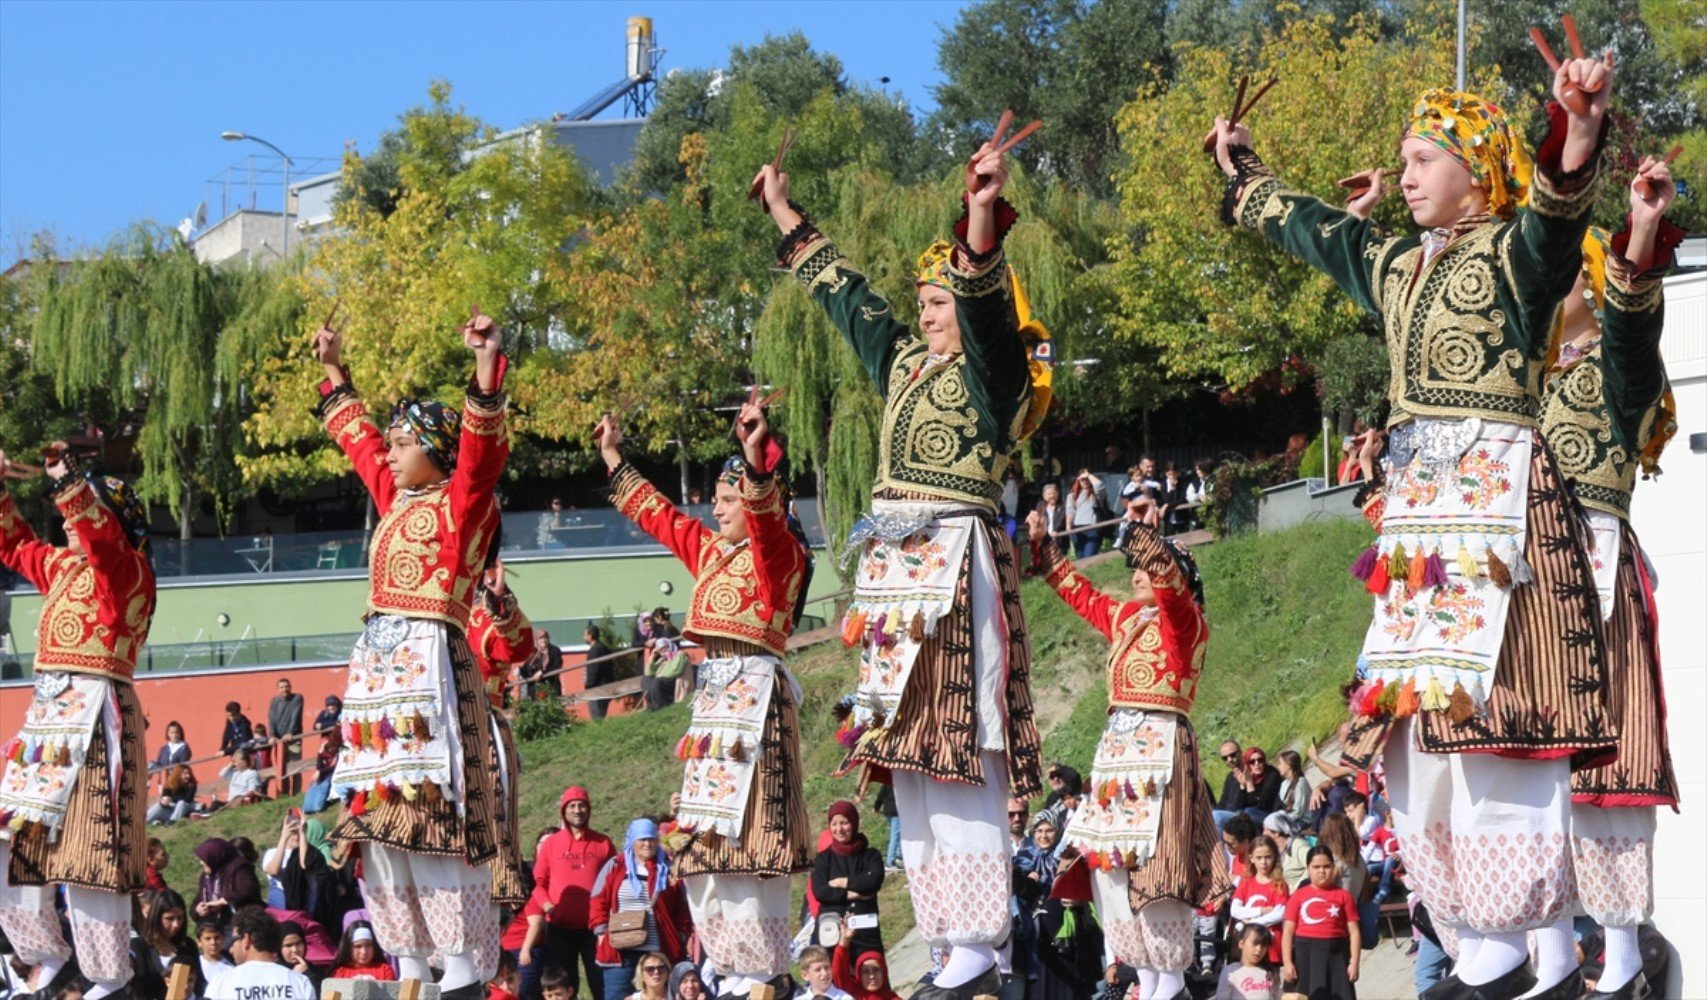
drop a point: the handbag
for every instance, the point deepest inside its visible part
(627, 929)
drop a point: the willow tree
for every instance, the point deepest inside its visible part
(136, 327)
(832, 415)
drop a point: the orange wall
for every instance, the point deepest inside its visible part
(197, 701)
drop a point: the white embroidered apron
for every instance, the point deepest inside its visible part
(1456, 491)
(722, 747)
(45, 758)
(399, 717)
(1121, 811)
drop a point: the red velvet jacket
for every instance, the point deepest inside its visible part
(500, 636)
(744, 592)
(96, 605)
(431, 542)
(669, 913)
(1155, 660)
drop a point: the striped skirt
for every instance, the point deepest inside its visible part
(102, 839)
(936, 728)
(1549, 693)
(1642, 775)
(776, 835)
(431, 823)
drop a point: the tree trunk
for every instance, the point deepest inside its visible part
(682, 463)
(1147, 447)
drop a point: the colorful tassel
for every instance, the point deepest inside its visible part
(737, 751)
(1416, 572)
(422, 730)
(1398, 564)
(410, 792)
(892, 621)
(1378, 581)
(1467, 567)
(682, 746)
(703, 748)
(386, 730)
(1367, 701)
(853, 628)
(1520, 573)
(1434, 696)
(1131, 793)
(353, 735)
(1434, 570)
(916, 629)
(358, 804)
(881, 639)
(1388, 700)
(1364, 565)
(1459, 708)
(715, 751)
(1149, 788)
(386, 793)
(1497, 570)
(1406, 704)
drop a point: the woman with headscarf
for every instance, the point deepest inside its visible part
(73, 792)
(742, 814)
(685, 983)
(227, 883)
(846, 877)
(637, 908)
(327, 721)
(944, 704)
(865, 977)
(414, 773)
(1145, 824)
(1484, 665)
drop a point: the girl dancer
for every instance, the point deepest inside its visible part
(414, 772)
(741, 799)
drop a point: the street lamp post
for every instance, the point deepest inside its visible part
(285, 212)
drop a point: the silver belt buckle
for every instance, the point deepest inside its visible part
(385, 633)
(50, 686)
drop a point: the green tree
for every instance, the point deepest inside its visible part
(1072, 63)
(487, 233)
(30, 415)
(137, 327)
(1214, 302)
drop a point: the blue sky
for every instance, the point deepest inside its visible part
(111, 112)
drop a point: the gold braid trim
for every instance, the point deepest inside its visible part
(820, 263)
(978, 280)
(78, 502)
(484, 417)
(346, 410)
(1629, 290)
(760, 495)
(1567, 201)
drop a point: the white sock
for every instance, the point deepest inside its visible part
(1146, 983)
(101, 987)
(459, 970)
(411, 967)
(1555, 954)
(1169, 984)
(965, 963)
(1623, 958)
(735, 985)
(46, 970)
(1498, 955)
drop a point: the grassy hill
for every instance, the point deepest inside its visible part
(1286, 619)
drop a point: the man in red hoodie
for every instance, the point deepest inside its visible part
(568, 864)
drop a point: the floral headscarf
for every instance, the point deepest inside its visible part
(1478, 135)
(436, 426)
(933, 265)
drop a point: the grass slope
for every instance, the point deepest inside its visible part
(1286, 621)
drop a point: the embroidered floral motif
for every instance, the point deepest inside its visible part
(1456, 611)
(1482, 479)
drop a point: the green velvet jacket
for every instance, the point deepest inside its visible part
(1467, 333)
(1599, 409)
(949, 429)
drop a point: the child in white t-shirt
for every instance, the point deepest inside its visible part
(1250, 978)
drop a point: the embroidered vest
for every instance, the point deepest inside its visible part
(932, 442)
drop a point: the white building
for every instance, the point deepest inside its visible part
(1670, 517)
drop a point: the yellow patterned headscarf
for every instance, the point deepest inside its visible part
(933, 265)
(1477, 134)
(1596, 243)
(1040, 349)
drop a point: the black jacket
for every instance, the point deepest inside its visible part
(238, 734)
(864, 871)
